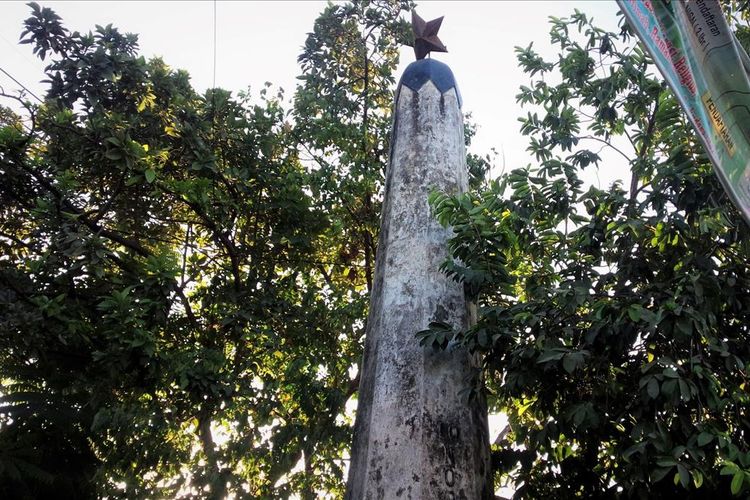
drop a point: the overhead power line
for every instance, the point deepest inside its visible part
(21, 85)
(31, 62)
(214, 82)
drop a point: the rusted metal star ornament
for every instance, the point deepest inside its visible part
(425, 35)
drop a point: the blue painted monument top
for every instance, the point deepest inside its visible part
(429, 70)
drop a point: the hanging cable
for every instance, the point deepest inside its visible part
(214, 82)
(21, 85)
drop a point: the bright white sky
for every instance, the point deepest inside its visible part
(258, 42)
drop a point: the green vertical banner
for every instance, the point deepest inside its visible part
(699, 57)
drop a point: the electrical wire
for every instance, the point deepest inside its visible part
(21, 85)
(214, 82)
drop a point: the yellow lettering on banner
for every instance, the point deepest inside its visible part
(718, 123)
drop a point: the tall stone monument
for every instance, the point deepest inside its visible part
(416, 436)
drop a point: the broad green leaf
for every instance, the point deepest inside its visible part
(634, 312)
(569, 363)
(684, 476)
(551, 355)
(659, 473)
(704, 438)
(737, 481)
(697, 477)
(729, 469)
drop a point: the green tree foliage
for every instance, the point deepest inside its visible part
(184, 277)
(343, 115)
(614, 321)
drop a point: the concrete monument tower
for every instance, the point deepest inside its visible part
(416, 437)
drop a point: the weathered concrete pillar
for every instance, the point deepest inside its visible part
(415, 436)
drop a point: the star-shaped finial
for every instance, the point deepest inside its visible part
(425, 35)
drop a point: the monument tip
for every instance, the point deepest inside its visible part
(430, 70)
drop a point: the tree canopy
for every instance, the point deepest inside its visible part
(184, 276)
(613, 321)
